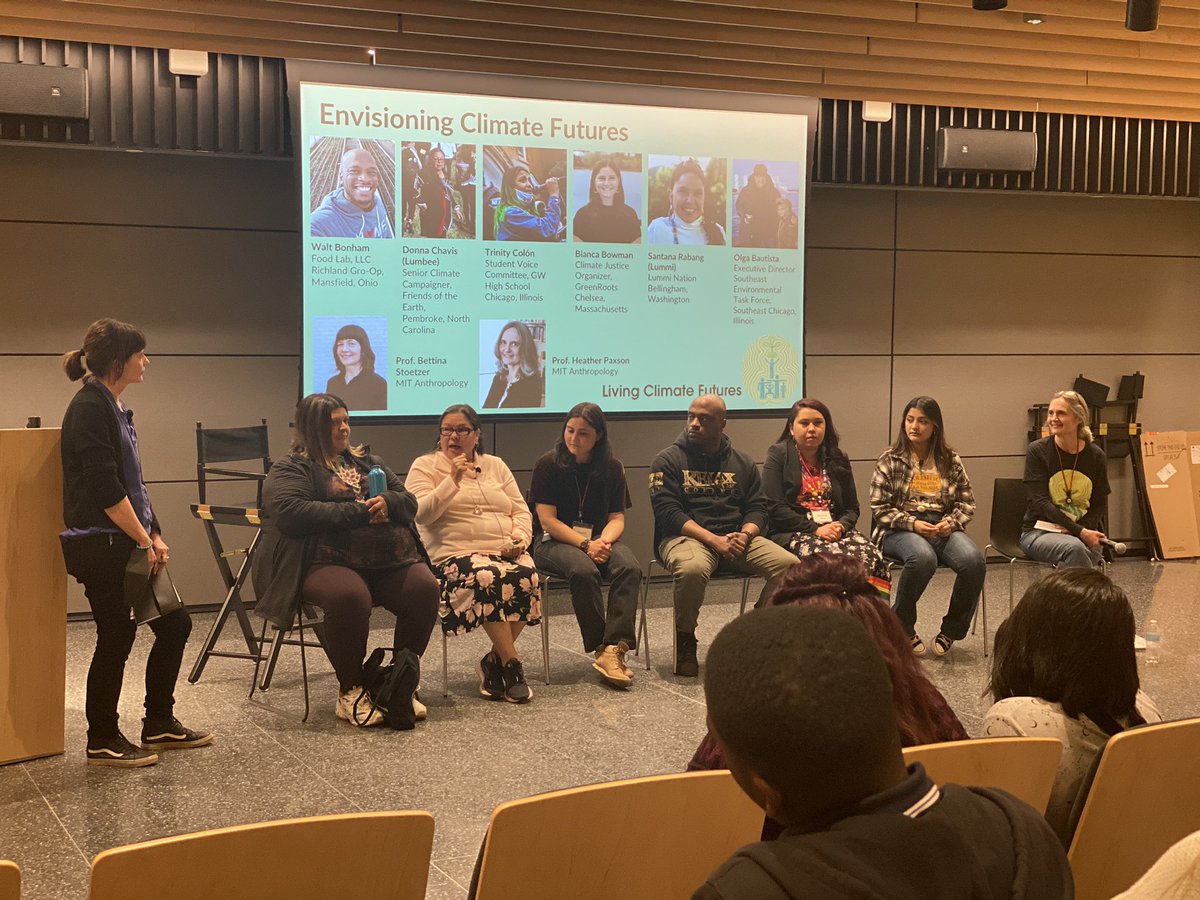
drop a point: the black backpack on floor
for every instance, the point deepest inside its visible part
(391, 687)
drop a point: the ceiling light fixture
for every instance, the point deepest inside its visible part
(1141, 15)
(371, 54)
(988, 4)
(1033, 19)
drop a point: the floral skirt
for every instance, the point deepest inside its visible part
(852, 543)
(488, 588)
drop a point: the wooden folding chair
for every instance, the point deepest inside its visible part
(377, 854)
(1145, 797)
(10, 880)
(1024, 767)
(646, 837)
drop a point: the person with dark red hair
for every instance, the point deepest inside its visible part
(840, 582)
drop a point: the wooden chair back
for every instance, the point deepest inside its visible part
(646, 837)
(1145, 798)
(1024, 767)
(10, 880)
(377, 854)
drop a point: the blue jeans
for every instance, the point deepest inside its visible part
(1064, 551)
(920, 557)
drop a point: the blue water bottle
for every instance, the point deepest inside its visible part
(376, 482)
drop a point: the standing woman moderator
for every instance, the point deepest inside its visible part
(811, 498)
(109, 520)
(922, 502)
(357, 382)
(686, 223)
(1066, 481)
(606, 218)
(520, 216)
(478, 528)
(326, 542)
(519, 382)
(580, 496)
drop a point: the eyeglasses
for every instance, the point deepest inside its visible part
(461, 432)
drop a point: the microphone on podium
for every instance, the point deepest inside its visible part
(1116, 546)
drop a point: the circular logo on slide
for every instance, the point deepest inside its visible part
(771, 370)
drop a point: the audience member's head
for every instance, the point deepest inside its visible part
(800, 701)
(841, 582)
(1070, 641)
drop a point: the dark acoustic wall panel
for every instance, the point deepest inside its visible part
(239, 107)
(1075, 153)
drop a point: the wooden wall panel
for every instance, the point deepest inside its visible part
(1041, 223)
(980, 303)
(247, 302)
(938, 53)
(848, 301)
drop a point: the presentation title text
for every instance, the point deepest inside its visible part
(470, 123)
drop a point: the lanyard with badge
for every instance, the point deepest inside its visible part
(814, 493)
(580, 526)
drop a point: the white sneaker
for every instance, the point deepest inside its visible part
(419, 710)
(365, 716)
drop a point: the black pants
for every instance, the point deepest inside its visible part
(98, 563)
(346, 596)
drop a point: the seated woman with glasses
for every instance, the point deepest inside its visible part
(477, 527)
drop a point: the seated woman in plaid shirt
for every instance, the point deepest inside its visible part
(922, 502)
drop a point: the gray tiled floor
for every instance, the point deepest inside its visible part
(55, 814)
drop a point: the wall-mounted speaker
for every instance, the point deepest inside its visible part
(986, 150)
(58, 92)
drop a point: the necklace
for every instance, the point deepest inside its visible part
(1067, 482)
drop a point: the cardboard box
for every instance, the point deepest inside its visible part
(1170, 479)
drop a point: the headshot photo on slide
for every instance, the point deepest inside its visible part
(512, 363)
(437, 190)
(524, 194)
(766, 196)
(687, 200)
(352, 188)
(607, 191)
(347, 351)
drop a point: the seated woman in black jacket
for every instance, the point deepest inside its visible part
(330, 543)
(810, 491)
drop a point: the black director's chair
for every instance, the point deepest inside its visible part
(230, 445)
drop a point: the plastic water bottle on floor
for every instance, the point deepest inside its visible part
(1153, 642)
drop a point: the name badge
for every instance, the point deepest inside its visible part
(582, 528)
(820, 516)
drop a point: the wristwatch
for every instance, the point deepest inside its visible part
(584, 546)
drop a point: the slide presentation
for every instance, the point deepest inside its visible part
(525, 255)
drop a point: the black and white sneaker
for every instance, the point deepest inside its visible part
(491, 680)
(172, 735)
(515, 688)
(117, 751)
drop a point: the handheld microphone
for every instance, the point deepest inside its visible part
(1116, 546)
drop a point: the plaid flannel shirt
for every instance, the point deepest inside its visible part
(890, 486)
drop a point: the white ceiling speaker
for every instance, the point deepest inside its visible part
(187, 62)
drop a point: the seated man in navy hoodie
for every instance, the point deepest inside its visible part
(800, 700)
(709, 513)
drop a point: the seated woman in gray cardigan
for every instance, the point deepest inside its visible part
(328, 542)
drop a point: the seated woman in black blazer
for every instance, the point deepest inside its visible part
(810, 491)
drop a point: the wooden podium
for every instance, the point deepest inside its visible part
(33, 595)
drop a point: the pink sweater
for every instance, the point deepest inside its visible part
(477, 515)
